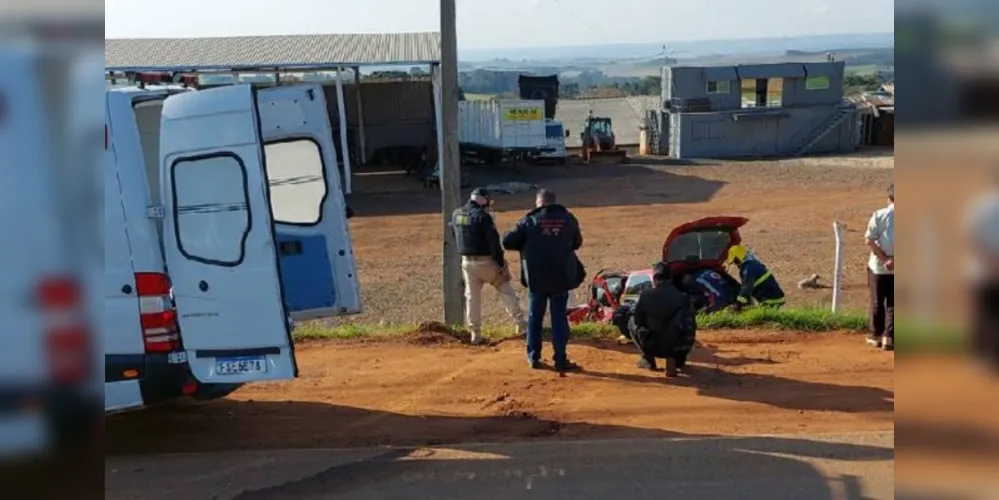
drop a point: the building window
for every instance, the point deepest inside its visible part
(297, 179)
(747, 90)
(775, 93)
(817, 83)
(762, 93)
(211, 208)
(719, 87)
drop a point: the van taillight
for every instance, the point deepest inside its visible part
(67, 337)
(156, 313)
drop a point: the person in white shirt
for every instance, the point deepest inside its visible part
(880, 236)
(983, 227)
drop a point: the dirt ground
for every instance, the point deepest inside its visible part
(429, 389)
(625, 212)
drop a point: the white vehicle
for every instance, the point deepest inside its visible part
(46, 338)
(556, 135)
(224, 222)
(492, 129)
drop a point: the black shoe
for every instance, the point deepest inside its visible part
(535, 364)
(567, 366)
(645, 364)
(874, 341)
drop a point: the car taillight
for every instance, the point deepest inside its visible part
(67, 336)
(156, 313)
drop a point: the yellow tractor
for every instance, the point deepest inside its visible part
(598, 140)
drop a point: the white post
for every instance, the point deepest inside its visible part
(838, 229)
(435, 78)
(361, 139)
(344, 150)
(929, 262)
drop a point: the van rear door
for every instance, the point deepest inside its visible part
(318, 270)
(219, 242)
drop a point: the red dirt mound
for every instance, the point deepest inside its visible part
(433, 333)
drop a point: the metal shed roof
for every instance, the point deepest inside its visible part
(259, 52)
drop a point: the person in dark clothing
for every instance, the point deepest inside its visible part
(758, 283)
(547, 239)
(664, 324)
(482, 263)
(709, 290)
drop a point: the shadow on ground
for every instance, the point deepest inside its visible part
(646, 466)
(386, 193)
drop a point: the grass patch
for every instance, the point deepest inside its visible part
(480, 97)
(806, 320)
(910, 338)
(915, 338)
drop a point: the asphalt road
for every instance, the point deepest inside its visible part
(856, 466)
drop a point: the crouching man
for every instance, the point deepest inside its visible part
(663, 325)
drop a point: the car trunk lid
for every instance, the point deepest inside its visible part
(704, 242)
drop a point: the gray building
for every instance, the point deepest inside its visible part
(787, 109)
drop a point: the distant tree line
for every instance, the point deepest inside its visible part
(586, 84)
(855, 84)
(583, 85)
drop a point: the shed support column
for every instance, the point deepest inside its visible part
(344, 149)
(361, 140)
(435, 79)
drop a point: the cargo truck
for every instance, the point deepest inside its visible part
(495, 130)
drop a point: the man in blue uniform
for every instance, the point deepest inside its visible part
(547, 239)
(482, 262)
(758, 283)
(709, 290)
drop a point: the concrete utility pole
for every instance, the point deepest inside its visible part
(450, 161)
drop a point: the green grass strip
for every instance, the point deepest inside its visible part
(805, 320)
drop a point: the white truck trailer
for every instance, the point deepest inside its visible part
(493, 130)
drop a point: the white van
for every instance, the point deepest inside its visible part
(47, 367)
(225, 221)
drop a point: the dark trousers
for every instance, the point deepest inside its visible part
(654, 345)
(881, 317)
(538, 303)
(985, 324)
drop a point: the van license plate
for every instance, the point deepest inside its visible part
(234, 366)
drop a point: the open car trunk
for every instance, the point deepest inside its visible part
(702, 244)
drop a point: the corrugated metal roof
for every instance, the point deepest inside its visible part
(285, 51)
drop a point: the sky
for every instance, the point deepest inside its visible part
(486, 24)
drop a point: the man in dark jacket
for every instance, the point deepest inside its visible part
(482, 262)
(664, 325)
(547, 239)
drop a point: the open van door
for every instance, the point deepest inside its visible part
(318, 270)
(220, 249)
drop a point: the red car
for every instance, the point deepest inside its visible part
(698, 245)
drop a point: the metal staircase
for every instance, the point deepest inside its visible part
(842, 112)
(655, 133)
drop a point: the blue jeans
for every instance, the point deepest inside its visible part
(537, 305)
